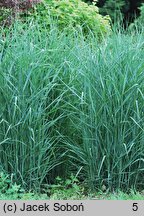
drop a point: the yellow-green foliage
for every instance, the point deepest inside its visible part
(72, 14)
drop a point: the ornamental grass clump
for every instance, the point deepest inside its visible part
(30, 100)
(70, 105)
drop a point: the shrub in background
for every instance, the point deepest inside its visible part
(67, 14)
(72, 14)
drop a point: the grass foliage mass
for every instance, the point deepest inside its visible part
(72, 105)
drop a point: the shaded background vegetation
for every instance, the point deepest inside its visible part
(128, 8)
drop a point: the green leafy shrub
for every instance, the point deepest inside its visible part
(72, 14)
